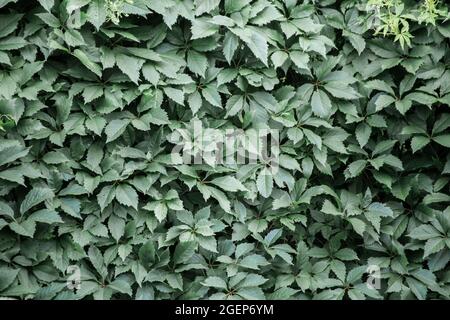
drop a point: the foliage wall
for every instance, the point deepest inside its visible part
(92, 93)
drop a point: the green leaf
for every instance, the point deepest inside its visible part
(46, 216)
(346, 254)
(300, 59)
(433, 245)
(441, 124)
(91, 93)
(205, 6)
(129, 65)
(443, 140)
(424, 232)
(127, 196)
(175, 95)
(96, 124)
(8, 23)
(211, 95)
(363, 132)
(264, 182)
(7, 277)
(255, 41)
(234, 105)
(279, 58)
(86, 61)
(295, 134)
(25, 228)
(72, 5)
(419, 289)
(202, 29)
(380, 209)
(71, 206)
(321, 104)
(156, 116)
(184, 251)
(116, 226)
(12, 43)
(94, 155)
(47, 4)
(115, 128)
(418, 142)
(11, 152)
(230, 44)
(355, 168)
(195, 102)
(121, 286)
(229, 183)
(215, 282)
(96, 258)
(251, 293)
(197, 62)
(340, 89)
(383, 101)
(96, 13)
(358, 225)
(329, 208)
(221, 198)
(106, 196)
(160, 211)
(258, 45)
(34, 197)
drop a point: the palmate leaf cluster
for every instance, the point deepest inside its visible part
(91, 92)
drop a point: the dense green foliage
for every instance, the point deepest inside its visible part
(94, 92)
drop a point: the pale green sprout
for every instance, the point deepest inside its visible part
(114, 10)
(395, 20)
(430, 11)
